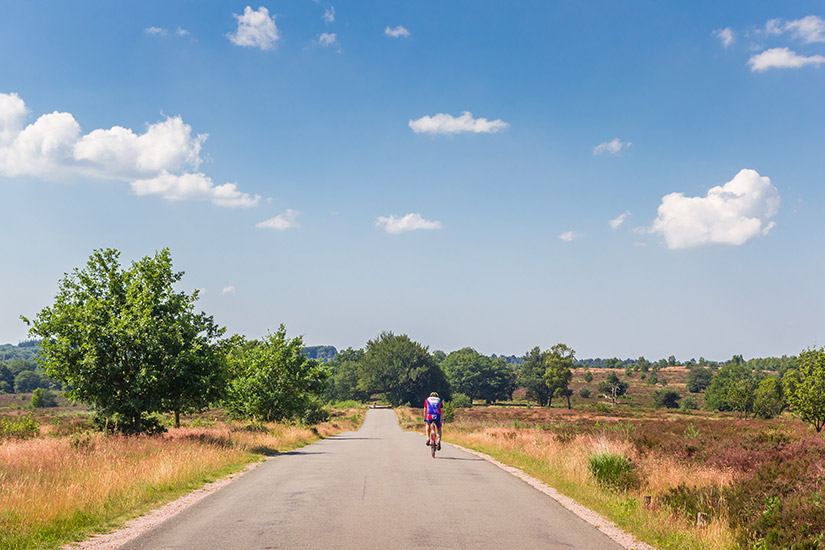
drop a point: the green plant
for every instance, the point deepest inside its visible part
(601, 408)
(585, 392)
(43, 398)
(448, 413)
(461, 401)
(613, 470)
(688, 404)
(22, 427)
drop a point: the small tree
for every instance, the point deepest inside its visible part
(613, 387)
(666, 398)
(559, 360)
(805, 388)
(26, 381)
(531, 376)
(698, 378)
(588, 376)
(769, 399)
(272, 379)
(43, 398)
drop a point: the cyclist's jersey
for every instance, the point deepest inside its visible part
(433, 407)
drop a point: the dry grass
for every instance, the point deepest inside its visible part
(563, 462)
(54, 489)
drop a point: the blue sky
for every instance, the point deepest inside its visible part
(637, 178)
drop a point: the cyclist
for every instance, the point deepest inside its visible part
(432, 415)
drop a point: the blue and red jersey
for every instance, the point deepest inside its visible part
(432, 408)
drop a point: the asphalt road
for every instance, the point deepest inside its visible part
(376, 488)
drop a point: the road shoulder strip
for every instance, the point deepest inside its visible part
(613, 531)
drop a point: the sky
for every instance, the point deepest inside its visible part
(628, 178)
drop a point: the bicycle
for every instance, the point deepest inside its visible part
(433, 440)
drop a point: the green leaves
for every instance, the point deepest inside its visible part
(805, 388)
(478, 376)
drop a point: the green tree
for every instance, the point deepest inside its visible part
(557, 375)
(740, 396)
(613, 387)
(478, 376)
(718, 392)
(6, 379)
(272, 379)
(769, 399)
(402, 370)
(666, 398)
(531, 376)
(343, 382)
(805, 387)
(126, 343)
(698, 378)
(643, 364)
(26, 381)
(42, 398)
(588, 376)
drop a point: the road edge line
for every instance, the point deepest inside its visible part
(613, 531)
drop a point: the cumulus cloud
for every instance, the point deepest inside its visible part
(329, 15)
(281, 222)
(328, 39)
(410, 222)
(809, 29)
(228, 290)
(782, 58)
(155, 30)
(158, 161)
(617, 222)
(256, 29)
(569, 236)
(725, 36)
(397, 32)
(614, 147)
(448, 124)
(731, 214)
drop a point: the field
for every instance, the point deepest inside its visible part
(715, 481)
(60, 481)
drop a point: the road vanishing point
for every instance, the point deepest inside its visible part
(377, 488)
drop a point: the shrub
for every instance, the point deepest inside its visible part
(22, 427)
(666, 398)
(448, 412)
(688, 404)
(314, 415)
(461, 401)
(601, 408)
(613, 470)
(585, 392)
(43, 398)
(588, 377)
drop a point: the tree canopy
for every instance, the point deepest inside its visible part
(126, 342)
(478, 376)
(805, 388)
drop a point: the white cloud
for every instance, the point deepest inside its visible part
(196, 187)
(809, 29)
(725, 36)
(617, 222)
(397, 32)
(569, 236)
(256, 29)
(410, 222)
(228, 290)
(155, 162)
(729, 214)
(614, 146)
(155, 30)
(281, 222)
(448, 124)
(182, 32)
(328, 39)
(329, 15)
(782, 58)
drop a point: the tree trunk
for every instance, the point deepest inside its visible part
(568, 401)
(177, 419)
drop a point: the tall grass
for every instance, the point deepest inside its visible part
(57, 489)
(565, 463)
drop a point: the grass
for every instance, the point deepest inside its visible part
(759, 482)
(56, 489)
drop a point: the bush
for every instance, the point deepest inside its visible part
(613, 470)
(588, 377)
(601, 408)
(666, 398)
(448, 412)
(22, 428)
(585, 392)
(43, 398)
(315, 414)
(688, 404)
(461, 401)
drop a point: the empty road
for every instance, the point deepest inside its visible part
(376, 488)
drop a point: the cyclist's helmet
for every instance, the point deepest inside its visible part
(434, 394)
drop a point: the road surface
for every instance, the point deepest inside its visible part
(376, 488)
